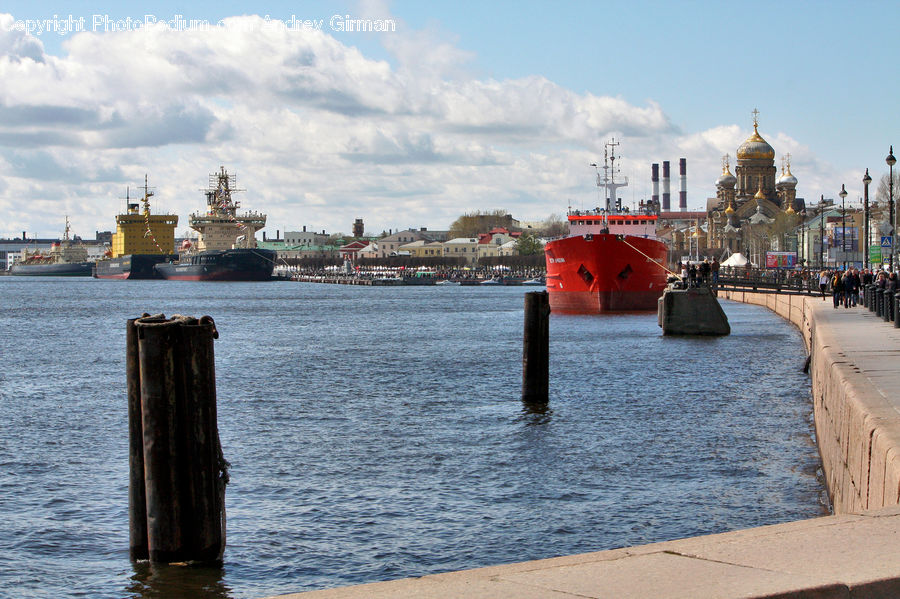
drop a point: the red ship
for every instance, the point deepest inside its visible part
(611, 261)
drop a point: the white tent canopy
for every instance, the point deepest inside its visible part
(736, 259)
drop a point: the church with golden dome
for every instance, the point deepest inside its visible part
(754, 201)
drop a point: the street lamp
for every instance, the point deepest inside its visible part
(822, 232)
(843, 195)
(891, 161)
(802, 246)
(866, 180)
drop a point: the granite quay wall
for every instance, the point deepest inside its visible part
(853, 364)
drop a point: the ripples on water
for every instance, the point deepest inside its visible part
(377, 433)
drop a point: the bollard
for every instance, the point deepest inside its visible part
(870, 289)
(535, 348)
(184, 473)
(888, 304)
(879, 303)
(897, 311)
(137, 498)
(864, 293)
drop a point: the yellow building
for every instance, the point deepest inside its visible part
(139, 232)
(422, 249)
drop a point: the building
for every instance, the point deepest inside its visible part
(753, 209)
(304, 238)
(350, 251)
(422, 249)
(462, 247)
(390, 245)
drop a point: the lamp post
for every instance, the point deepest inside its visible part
(891, 161)
(843, 195)
(822, 232)
(802, 246)
(866, 180)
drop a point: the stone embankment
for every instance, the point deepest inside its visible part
(856, 393)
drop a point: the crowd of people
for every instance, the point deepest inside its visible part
(699, 273)
(845, 285)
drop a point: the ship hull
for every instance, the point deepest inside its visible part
(67, 269)
(135, 266)
(594, 274)
(225, 265)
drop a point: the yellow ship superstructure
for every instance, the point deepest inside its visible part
(140, 232)
(222, 227)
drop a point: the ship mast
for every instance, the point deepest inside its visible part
(608, 181)
(146, 200)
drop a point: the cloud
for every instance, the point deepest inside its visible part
(319, 132)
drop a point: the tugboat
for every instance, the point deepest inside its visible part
(65, 259)
(611, 261)
(141, 241)
(226, 248)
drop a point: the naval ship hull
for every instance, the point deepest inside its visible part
(221, 265)
(135, 266)
(594, 274)
(65, 269)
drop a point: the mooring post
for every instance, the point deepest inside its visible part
(183, 468)
(536, 348)
(137, 497)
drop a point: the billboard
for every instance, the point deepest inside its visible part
(781, 259)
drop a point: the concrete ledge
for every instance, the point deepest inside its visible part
(856, 394)
(836, 556)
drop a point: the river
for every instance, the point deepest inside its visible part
(378, 433)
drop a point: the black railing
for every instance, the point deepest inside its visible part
(768, 280)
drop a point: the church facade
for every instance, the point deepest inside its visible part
(754, 208)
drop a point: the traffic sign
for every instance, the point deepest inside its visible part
(887, 241)
(875, 253)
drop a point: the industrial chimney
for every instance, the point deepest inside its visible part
(682, 195)
(667, 196)
(654, 177)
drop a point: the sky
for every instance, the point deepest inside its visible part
(451, 108)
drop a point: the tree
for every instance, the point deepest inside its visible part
(882, 193)
(528, 245)
(470, 225)
(554, 226)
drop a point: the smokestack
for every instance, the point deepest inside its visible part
(667, 196)
(304, 228)
(682, 195)
(654, 177)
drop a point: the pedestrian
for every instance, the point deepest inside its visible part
(823, 282)
(837, 288)
(692, 273)
(705, 269)
(856, 283)
(714, 268)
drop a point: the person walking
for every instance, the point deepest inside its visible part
(837, 288)
(824, 278)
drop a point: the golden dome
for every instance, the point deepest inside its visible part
(790, 209)
(755, 148)
(729, 210)
(759, 192)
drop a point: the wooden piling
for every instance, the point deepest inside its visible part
(183, 468)
(536, 348)
(137, 498)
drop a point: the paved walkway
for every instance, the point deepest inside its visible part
(850, 555)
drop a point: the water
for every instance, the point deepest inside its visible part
(377, 433)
